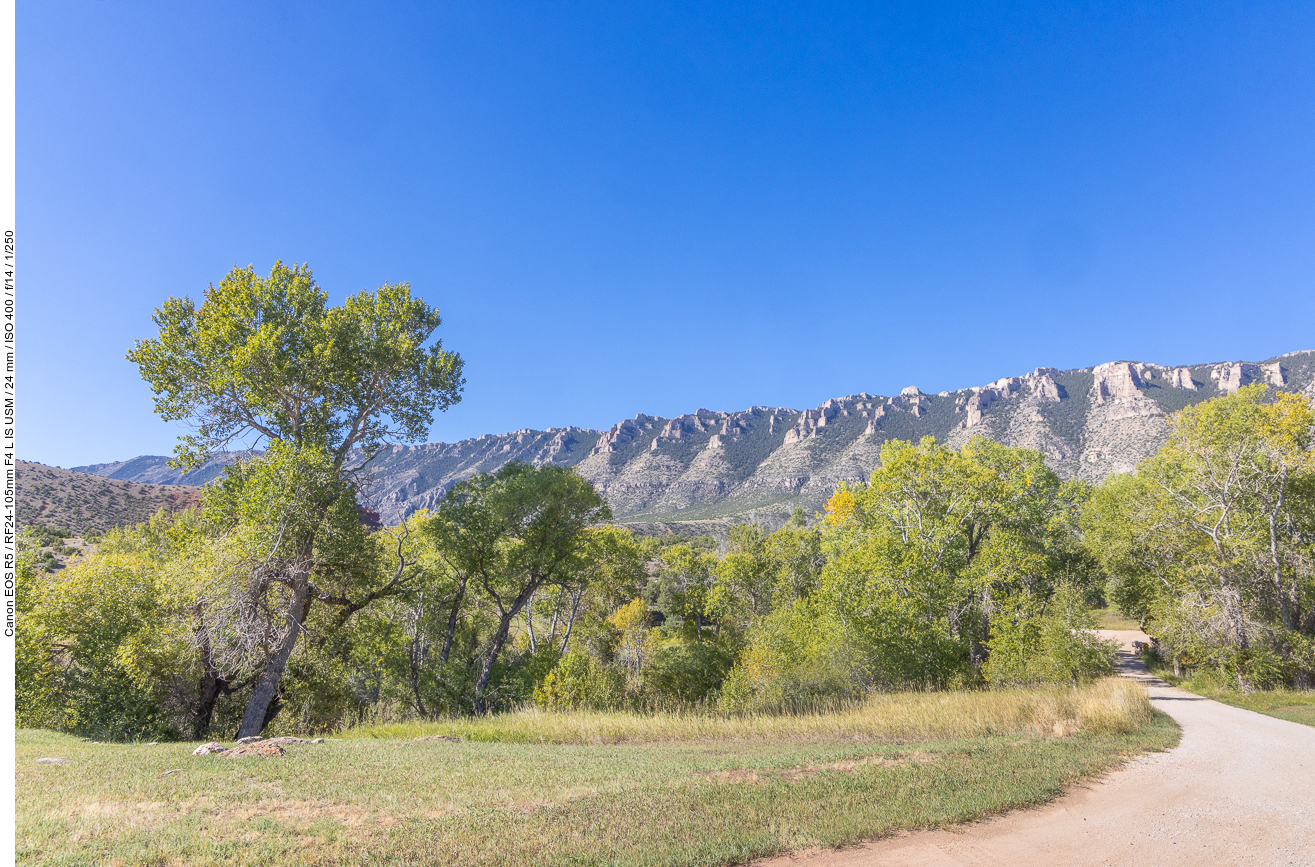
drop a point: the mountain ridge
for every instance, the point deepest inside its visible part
(764, 461)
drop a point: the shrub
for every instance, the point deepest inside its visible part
(687, 672)
(579, 680)
(795, 658)
(1054, 647)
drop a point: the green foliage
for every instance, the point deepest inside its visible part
(923, 556)
(745, 578)
(580, 680)
(514, 532)
(947, 569)
(686, 672)
(268, 356)
(1210, 544)
(101, 651)
(685, 574)
(796, 657)
(40, 536)
(1051, 646)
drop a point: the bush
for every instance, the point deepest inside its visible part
(1055, 647)
(796, 658)
(687, 672)
(579, 680)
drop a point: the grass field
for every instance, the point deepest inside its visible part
(598, 788)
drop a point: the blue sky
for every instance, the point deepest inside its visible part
(626, 208)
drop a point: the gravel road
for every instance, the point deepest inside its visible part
(1238, 790)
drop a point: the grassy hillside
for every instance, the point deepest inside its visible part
(84, 505)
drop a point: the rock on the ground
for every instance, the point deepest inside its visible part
(318, 741)
(57, 760)
(207, 749)
(246, 750)
(283, 741)
(250, 739)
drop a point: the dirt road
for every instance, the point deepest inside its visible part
(1238, 790)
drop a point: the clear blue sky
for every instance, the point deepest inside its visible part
(629, 207)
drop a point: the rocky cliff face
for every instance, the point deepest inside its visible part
(767, 460)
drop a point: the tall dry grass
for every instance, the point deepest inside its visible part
(1108, 706)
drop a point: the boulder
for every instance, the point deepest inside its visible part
(250, 739)
(207, 749)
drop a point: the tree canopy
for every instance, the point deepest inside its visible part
(1210, 544)
(949, 567)
(268, 358)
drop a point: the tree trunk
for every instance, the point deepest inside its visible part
(1284, 611)
(499, 639)
(262, 706)
(204, 708)
(452, 621)
(212, 683)
(570, 624)
(556, 609)
(529, 624)
(417, 657)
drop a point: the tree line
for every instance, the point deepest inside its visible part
(279, 603)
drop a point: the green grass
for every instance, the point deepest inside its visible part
(542, 789)
(1294, 706)
(1111, 619)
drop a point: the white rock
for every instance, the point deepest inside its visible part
(1115, 381)
(1182, 378)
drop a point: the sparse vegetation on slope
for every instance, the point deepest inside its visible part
(85, 505)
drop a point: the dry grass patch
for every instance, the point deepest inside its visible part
(1109, 706)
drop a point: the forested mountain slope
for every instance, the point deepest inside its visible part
(1088, 422)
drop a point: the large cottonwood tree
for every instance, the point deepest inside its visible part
(266, 361)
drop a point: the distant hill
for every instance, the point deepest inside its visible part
(718, 466)
(155, 469)
(81, 503)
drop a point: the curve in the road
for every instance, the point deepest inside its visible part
(1238, 790)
